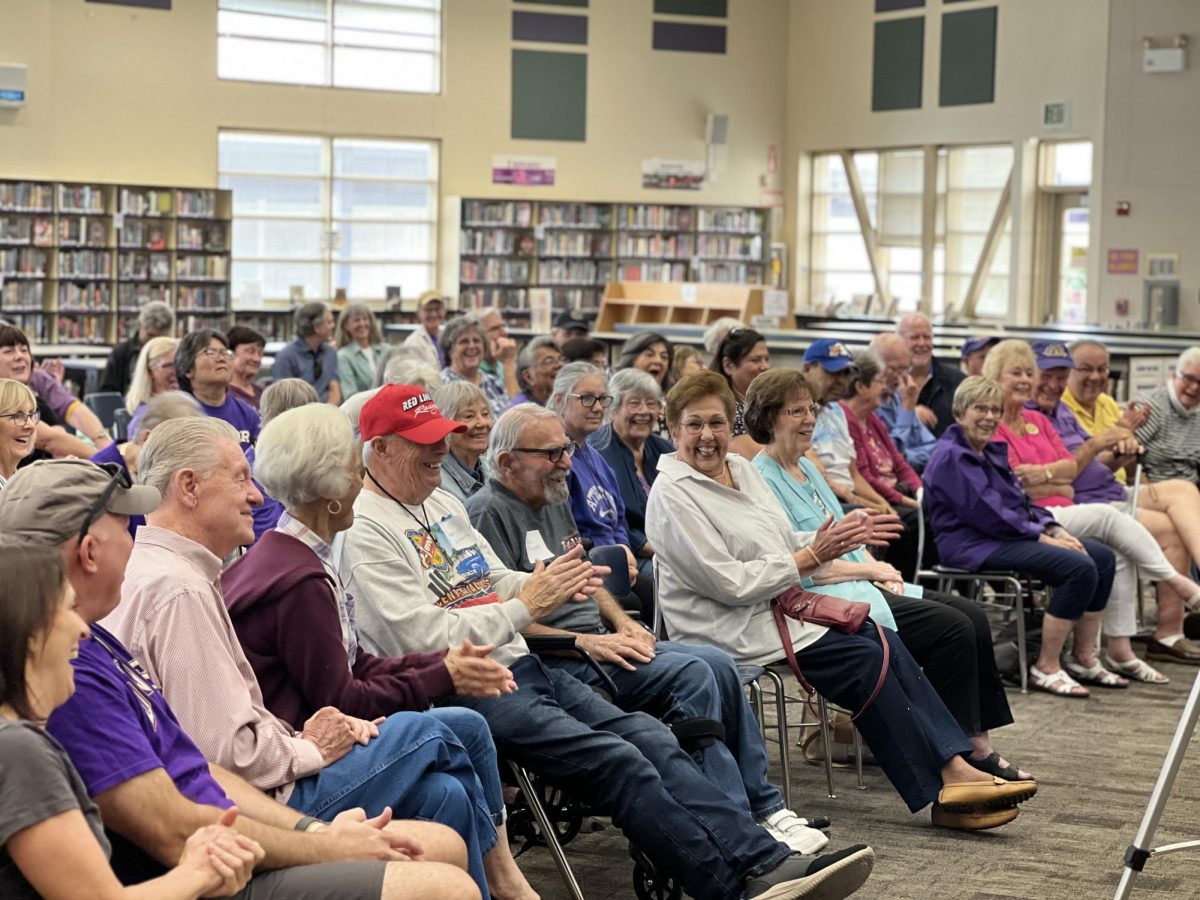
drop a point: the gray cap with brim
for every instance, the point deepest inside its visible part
(49, 499)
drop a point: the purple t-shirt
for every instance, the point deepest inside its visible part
(118, 726)
(238, 414)
(57, 397)
(1096, 483)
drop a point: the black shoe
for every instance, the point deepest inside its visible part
(830, 876)
(1191, 626)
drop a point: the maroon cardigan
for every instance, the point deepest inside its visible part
(282, 604)
(905, 474)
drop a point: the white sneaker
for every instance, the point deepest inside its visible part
(788, 828)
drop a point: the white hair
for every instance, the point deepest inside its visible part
(565, 381)
(189, 443)
(455, 396)
(302, 455)
(506, 434)
(716, 332)
(285, 394)
(353, 408)
(412, 370)
(1188, 357)
(164, 407)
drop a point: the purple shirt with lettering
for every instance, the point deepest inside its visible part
(240, 415)
(118, 726)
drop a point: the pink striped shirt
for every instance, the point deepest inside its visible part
(173, 619)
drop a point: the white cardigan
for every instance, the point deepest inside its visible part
(721, 555)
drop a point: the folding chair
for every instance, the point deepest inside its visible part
(104, 405)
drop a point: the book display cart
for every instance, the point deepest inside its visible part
(649, 304)
(78, 261)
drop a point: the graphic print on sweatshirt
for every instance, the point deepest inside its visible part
(458, 575)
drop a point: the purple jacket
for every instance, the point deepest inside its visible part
(1096, 483)
(974, 503)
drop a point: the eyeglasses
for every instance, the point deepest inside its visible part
(553, 454)
(798, 412)
(21, 419)
(590, 400)
(216, 353)
(981, 409)
(716, 426)
(549, 362)
(1085, 371)
(120, 478)
(1189, 380)
(636, 403)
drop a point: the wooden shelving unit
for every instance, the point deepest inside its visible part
(645, 303)
(80, 260)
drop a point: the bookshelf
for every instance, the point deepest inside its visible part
(573, 249)
(78, 261)
(650, 304)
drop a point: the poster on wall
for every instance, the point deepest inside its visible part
(673, 174)
(1122, 262)
(524, 170)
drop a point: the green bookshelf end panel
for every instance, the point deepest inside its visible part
(968, 63)
(898, 58)
(716, 8)
(549, 96)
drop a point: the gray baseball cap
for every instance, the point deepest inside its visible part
(51, 499)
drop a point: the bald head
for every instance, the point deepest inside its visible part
(916, 331)
(894, 358)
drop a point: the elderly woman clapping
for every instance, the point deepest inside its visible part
(719, 572)
(296, 622)
(981, 519)
(949, 636)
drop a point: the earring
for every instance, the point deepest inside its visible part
(330, 507)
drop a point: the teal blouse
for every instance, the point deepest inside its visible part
(808, 505)
(356, 368)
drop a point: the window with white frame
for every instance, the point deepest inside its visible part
(385, 45)
(328, 215)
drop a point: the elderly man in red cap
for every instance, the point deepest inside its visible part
(423, 578)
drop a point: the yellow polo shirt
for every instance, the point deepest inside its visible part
(1106, 415)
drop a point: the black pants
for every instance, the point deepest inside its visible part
(951, 640)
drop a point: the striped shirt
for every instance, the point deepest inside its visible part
(493, 390)
(1171, 436)
(172, 618)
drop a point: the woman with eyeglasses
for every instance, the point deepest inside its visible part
(982, 518)
(153, 373)
(18, 426)
(204, 367)
(580, 395)
(948, 636)
(724, 549)
(52, 842)
(632, 449)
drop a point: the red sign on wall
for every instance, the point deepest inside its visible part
(1122, 262)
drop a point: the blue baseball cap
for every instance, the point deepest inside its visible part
(971, 345)
(832, 355)
(1051, 354)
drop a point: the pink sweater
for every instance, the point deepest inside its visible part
(1040, 446)
(877, 458)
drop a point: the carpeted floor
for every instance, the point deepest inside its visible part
(1096, 762)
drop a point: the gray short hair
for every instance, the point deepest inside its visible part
(976, 389)
(157, 315)
(308, 317)
(302, 455)
(525, 357)
(866, 367)
(564, 383)
(352, 408)
(412, 370)
(452, 397)
(1188, 357)
(285, 394)
(715, 333)
(456, 328)
(391, 352)
(164, 407)
(189, 443)
(506, 433)
(629, 383)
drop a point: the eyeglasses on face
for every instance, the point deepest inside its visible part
(1189, 380)
(216, 353)
(590, 400)
(21, 419)
(120, 478)
(633, 404)
(550, 362)
(553, 454)
(696, 426)
(799, 412)
(1087, 371)
(982, 409)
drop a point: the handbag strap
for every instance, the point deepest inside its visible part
(785, 637)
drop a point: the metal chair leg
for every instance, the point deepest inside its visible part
(858, 762)
(1022, 650)
(781, 723)
(756, 705)
(827, 739)
(548, 832)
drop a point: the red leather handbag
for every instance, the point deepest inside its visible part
(846, 616)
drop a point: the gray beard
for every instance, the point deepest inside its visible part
(555, 491)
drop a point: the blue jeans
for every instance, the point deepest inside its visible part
(418, 768)
(683, 682)
(1081, 583)
(473, 733)
(630, 766)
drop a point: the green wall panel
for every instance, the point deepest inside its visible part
(898, 57)
(718, 8)
(968, 63)
(549, 95)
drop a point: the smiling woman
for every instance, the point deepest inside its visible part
(462, 470)
(18, 426)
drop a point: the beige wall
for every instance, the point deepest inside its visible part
(1045, 51)
(1152, 144)
(120, 94)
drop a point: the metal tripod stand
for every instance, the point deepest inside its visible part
(1140, 850)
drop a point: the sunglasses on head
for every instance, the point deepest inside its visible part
(120, 478)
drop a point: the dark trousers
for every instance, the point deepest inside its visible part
(951, 639)
(908, 728)
(631, 766)
(1081, 583)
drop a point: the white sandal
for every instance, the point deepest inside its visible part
(1136, 669)
(1059, 683)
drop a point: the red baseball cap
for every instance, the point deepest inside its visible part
(406, 410)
